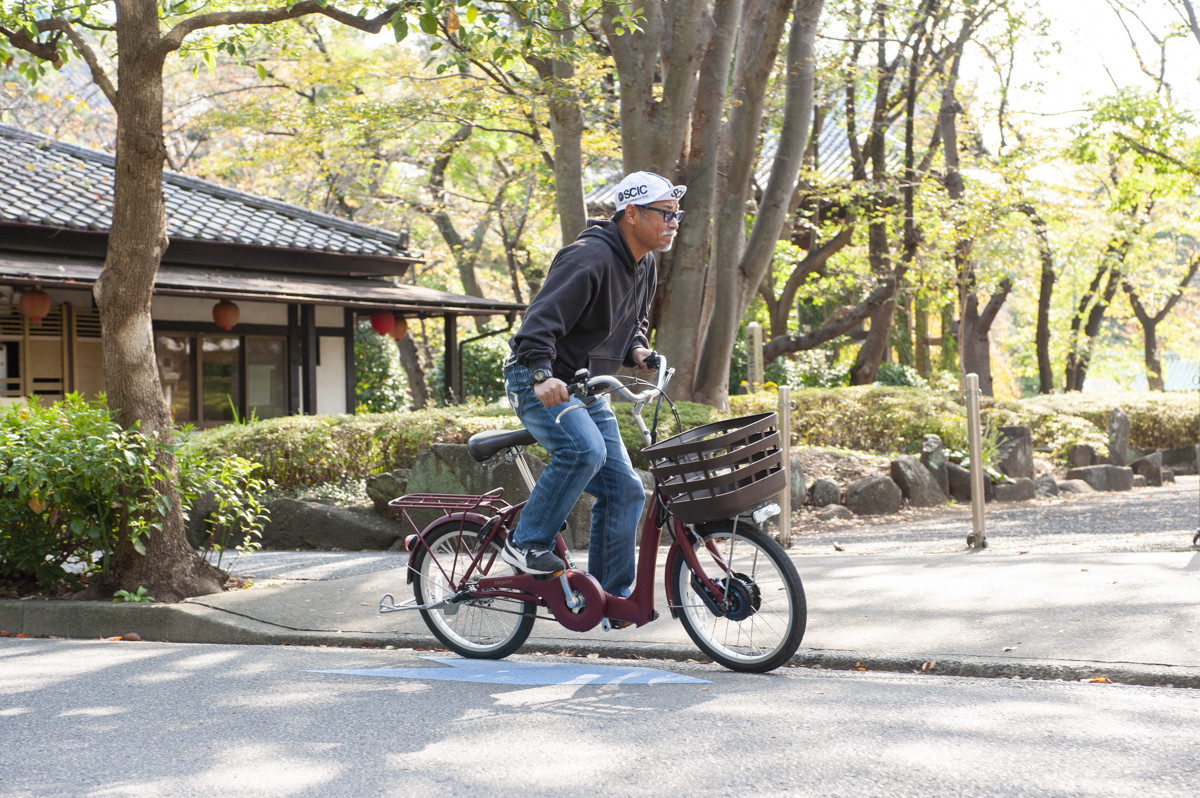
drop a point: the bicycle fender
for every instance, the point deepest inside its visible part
(419, 544)
(668, 569)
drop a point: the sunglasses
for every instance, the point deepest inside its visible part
(668, 215)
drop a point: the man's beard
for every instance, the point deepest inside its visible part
(665, 247)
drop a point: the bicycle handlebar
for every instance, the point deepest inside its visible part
(584, 383)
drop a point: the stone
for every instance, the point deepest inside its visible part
(1149, 467)
(960, 484)
(933, 457)
(1015, 452)
(382, 488)
(796, 482)
(1075, 486)
(1139, 481)
(834, 512)
(1045, 485)
(1080, 455)
(1168, 475)
(917, 483)
(1118, 437)
(1104, 477)
(825, 492)
(1182, 460)
(1019, 490)
(308, 524)
(874, 496)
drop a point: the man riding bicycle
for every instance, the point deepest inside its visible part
(590, 313)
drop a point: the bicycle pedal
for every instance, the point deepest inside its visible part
(609, 624)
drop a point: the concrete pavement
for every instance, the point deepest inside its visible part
(1088, 608)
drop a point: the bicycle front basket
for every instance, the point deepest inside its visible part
(719, 470)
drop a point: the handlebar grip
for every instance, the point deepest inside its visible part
(653, 361)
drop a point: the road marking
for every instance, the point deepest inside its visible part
(524, 673)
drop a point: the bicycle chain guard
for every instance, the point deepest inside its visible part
(586, 589)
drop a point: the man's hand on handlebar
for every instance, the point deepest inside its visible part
(646, 359)
(552, 392)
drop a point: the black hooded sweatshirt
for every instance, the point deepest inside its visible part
(593, 308)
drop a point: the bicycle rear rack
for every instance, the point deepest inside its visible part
(489, 504)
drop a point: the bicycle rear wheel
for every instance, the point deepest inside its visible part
(484, 628)
(761, 623)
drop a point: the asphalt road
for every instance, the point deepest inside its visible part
(112, 719)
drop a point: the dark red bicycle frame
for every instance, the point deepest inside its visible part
(637, 609)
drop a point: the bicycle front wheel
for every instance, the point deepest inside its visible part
(760, 624)
(480, 628)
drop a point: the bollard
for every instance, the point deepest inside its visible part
(977, 539)
(785, 445)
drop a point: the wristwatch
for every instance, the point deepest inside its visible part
(539, 375)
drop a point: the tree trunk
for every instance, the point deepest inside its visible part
(1149, 323)
(170, 570)
(975, 346)
(1045, 293)
(1154, 375)
(1086, 323)
(410, 361)
(737, 284)
(686, 276)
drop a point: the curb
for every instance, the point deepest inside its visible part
(196, 623)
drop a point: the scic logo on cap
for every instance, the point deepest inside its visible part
(631, 192)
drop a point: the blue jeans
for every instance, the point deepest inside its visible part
(587, 455)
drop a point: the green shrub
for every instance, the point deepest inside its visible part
(70, 477)
(381, 385)
(900, 375)
(1157, 420)
(870, 418)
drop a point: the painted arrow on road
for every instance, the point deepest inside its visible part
(526, 674)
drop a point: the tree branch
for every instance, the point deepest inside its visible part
(173, 39)
(782, 345)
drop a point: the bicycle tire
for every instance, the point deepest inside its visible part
(763, 626)
(483, 628)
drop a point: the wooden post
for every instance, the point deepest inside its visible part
(977, 539)
(754, 357)
(785, 445)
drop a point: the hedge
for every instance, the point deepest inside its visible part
(303, 451)
(298, 451)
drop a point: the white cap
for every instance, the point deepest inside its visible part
(644, 188)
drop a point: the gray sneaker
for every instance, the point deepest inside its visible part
(531, 561)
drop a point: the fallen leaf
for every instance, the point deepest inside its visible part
(1099, 680)
(133, 637)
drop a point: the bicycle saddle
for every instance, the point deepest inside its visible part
(483, 445)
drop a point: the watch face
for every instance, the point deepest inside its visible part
(539, 376)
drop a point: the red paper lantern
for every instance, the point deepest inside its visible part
(226, 314)
(401, 328)
(35, 305)
(382, 322)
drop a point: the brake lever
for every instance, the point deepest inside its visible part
(578, 387)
